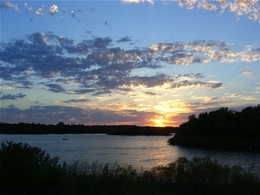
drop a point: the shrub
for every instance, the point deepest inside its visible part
(27, 170)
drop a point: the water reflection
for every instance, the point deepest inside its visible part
(139, 151)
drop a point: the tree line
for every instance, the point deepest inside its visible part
(222, 128)
(61, 128)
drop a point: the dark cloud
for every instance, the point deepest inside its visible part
(77, 101)
(55, 88)
(102, 42)
(210, 105)
(101, 92)
(54, 114)
(151, 81)
(83, 91)
(124, 39)
(13, 97)
(190, 75)
(187, 83)
(97, 66)
(150, 93)
(23, 83)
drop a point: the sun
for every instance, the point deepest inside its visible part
(158, 122)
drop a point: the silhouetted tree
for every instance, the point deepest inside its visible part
(26, 169)
(221, 128)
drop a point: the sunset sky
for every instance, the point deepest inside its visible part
(132, 62)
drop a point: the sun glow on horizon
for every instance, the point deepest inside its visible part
(159, 122)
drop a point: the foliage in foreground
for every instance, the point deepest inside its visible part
(29, 170)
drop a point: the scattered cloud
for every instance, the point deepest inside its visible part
(8, 5)
(40, 11)
(12, 97)
(207, 5)
(187, 83)
(53, 9)
(109, 71)
(189, 75)
(249, 98)
(138, 1)
(124, 39)
(88, 116)
(248, 8)
(202, 105)
(248, 73)
(150, 93)
(7, 86)
(55, 88)
(77, 101)
(97, 66)
(189, 4)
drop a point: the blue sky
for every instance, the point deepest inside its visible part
(135, 62)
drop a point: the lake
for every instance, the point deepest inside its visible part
(139, 151)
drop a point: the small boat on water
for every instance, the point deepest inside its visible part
(65, 139)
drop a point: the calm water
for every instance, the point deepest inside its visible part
(139, 151)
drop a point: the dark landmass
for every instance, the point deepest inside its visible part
(61, 128)
(223, 128)
(136, 130)
(27, 170)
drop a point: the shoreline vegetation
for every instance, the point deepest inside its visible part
(221, 129)
(61, 128)
(25, 169)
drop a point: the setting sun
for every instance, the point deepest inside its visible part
(158, 122)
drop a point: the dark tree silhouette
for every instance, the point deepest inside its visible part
(222, 128)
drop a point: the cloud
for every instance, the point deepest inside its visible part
(206, 5)
(7, 86)
(249, 98)
(13, 97)
(189, 4)
(248, 73)
(27, 7)
(40, 11)
(8, 5)
(248, 8)
(202, 51)
(97, 66)
(150, 93)
(187, 83)
(189, 75)
(124, 39)
(55, 88)
(53, 9)
(67, 114)
(208, 105)
(83, 91)
(138, 1)
(77, 101)
(151, 81)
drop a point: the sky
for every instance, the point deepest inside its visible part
(127, 62)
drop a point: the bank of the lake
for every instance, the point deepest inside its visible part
(29, 170)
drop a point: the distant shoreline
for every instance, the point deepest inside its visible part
(61, 128)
